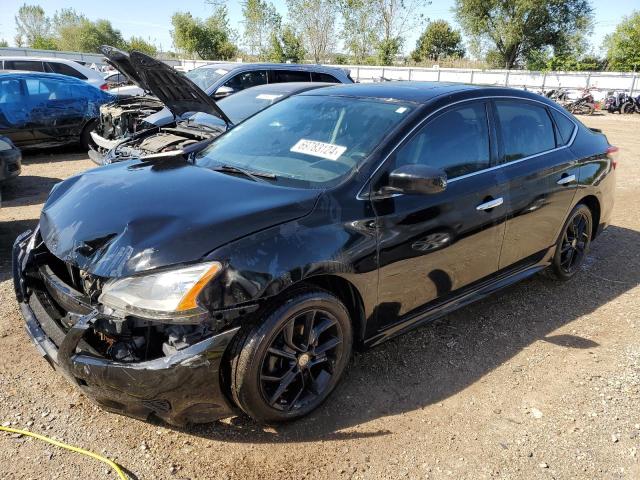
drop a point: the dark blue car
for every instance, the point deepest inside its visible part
(46, 109)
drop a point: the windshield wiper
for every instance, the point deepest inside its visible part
(253, 175)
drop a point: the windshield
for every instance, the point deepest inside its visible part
(245, 103)
(204, 77)
(306, 141)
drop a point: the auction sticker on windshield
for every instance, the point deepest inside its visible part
(319, 149)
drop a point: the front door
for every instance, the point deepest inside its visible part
(430, 246)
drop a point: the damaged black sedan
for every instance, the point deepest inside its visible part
(240, 276)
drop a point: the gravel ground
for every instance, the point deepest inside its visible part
(540, 381)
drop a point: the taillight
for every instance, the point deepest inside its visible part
(612, 153)
(104, 86)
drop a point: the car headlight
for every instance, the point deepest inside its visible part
(168, 295)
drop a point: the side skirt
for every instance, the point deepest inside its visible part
(444, 307)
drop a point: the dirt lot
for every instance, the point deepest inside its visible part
(541, 381)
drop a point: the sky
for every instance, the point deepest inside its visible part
(151, 19)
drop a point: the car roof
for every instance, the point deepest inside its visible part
(40, 75)
(273, 66)
(418, 92)
(42, 59)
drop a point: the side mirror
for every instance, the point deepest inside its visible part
(417, 180)
(222, 92)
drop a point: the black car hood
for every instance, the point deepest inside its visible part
(176, 91)
(120, 61)
(131, 217)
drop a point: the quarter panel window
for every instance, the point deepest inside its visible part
(247, 79)
(456, 141)
(565, 127)
(64, 69)
(526, 129)
(323, 77)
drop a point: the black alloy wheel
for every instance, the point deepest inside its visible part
(573, 244)
(287, 364)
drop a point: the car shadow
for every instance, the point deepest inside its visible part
(440, 359)
(27, 190)
(60, 154)
(8, 233)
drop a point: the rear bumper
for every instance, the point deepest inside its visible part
(10, 163)
(181, 388)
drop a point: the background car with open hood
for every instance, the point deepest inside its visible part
(134, 112)
(200, 126)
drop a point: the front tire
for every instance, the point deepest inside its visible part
(573, 244)
(287, 364)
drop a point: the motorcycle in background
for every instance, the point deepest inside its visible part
(584, 105)
(617, 102)
(632, 105)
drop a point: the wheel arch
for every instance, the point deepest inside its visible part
(592, 202)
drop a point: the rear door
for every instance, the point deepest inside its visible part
(251, 78)
(538, 177)
(431, 246)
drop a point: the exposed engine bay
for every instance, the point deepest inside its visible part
(123, 118)
(165, 140)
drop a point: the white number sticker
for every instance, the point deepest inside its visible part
(221, 71)
(268, 96)
(319, 149)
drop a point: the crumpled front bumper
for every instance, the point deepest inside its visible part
(181, 388)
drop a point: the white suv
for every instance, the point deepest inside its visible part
(54, 65)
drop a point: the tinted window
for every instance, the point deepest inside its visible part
(28, 65)
(565, 127)
(247, 80)
(323, 77)
(205, 77)
(526, 129)
(283, 76)
(64, 69)
(11, 91)
(456, 141)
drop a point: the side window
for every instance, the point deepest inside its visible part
(526, 129)
(247, 79)
(11, 91)
(565, 127)
(283, 76)
(456, 141)
(64, 69)
(27, 65)
(35, 87)
(59, 90)
(323, 77)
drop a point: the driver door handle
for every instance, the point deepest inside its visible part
(565, 180)
(496, 202)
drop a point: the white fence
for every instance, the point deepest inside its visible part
(599, 82)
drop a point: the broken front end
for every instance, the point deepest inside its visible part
(126, 361)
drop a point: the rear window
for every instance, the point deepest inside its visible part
(323, 77)
(526, 129)
(565, 127)
(27, 65)
(64, 69)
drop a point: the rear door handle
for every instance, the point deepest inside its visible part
(566, 180)
(496, 202)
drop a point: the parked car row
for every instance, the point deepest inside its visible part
(218, 266)
(61, 66)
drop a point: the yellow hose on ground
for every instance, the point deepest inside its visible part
(112, 464)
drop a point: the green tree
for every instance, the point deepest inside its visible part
(32, 25)
(509, 31)
(360, 27)
(3, 43)
(261, 20)
(86, 36)
(316, 23)
(397, 18)
(208, 39)
(623, 45)
(44, 43)
(286, 46)
(437, 41)
(141, 45)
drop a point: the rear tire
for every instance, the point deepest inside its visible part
(572, 245)
(287, 364)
